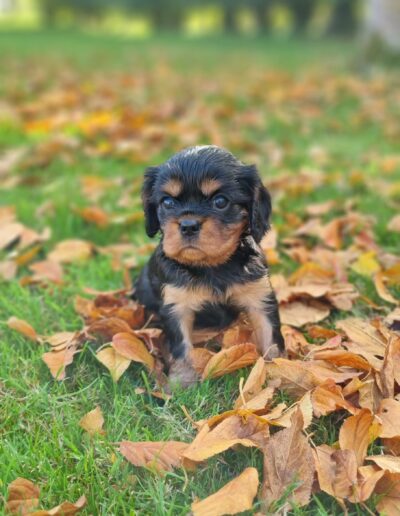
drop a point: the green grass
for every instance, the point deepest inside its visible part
(39, 434)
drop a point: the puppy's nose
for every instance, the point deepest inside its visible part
(189, 227)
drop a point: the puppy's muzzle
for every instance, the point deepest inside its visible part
(189, 227)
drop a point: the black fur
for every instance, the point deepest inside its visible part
(241, 184)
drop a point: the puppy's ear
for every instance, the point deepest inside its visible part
(259, 205)
(150, 209)
(260, 212)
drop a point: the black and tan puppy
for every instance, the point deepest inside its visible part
(212, 211)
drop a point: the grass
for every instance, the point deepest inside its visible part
(39, 434)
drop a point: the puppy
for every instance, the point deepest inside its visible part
(212, 211)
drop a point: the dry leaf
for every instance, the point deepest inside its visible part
(46, 270)
(228, 360)
(107, 328)
(236, 496)
(57, 361)
(288, 460)
(247, 430)
(237, 334)
(129, 346)
(388, 488)
(200, 358)
(22, 497)
(361, 332)
(162, 456)
(341, 357)
(94, 214)
(69, 251)
(356, 433)
(115, 363)
(298, 314)
(386, 462)
(383, 292)
(295, 378)
(93, 421)
(22, 327)
(345, 479)
(366, 264)
(10, 233)
(254, 383)
(394, 224)
(328, 397)
(388, 416)
(8, 270)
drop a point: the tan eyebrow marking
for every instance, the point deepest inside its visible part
(210, 186)
(173, 187)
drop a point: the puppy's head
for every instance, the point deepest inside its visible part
(204, 199)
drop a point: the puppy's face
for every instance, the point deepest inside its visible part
(203, 200)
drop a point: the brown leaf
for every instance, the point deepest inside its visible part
(200, 358)
(115, 363)
(298, 314)
(356, 433)
(23, 327)
(383, 292)
(94, 214)
(325, 467)
(367, 478)
(295, 342)
(69, 251)
(46, 270)
(57, 361)
(10, 233)
(345, 479)
(388, 416)
(65, 509)
(237, 334)
(23, 496)
(61, 340)
(394, 224)
(341, 357)
(228, 360)
(247, 430)
(288, 461)
(388, 488)
(107, 328)
(236, 496)
(93, 422)
(328, 397)
(129, 346)
(386, 462)
(162, 456)
(254, 383)
(361, 332)
(285, 419)
(8, 270)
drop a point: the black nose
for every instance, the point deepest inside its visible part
(189, 227)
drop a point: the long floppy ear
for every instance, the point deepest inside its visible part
(260, 212)
(259, 205)
(150, 209)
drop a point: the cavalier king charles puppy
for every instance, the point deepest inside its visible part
(212, 211)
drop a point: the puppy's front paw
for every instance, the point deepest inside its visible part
(273, 352)
(182, 374)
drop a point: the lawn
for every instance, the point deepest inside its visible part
(91, 110)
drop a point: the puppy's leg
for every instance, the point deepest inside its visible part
(177, 324)
(258, 300)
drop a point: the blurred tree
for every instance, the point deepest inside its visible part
(383, 24)
(80, 11)
(302, 12)
(262, 13)
(343, 20)
(165, 15)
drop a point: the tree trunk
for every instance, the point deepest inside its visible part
(261, 12)
(302, 11)
(383, 23)
(229, 19)
(343, 20)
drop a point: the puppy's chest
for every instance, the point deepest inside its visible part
(250, 294)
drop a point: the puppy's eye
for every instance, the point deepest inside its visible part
(168, 202)
(220, 202)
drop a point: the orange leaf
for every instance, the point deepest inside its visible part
(363, 333)
(387, 462)
(228, 360)
(22, 327)
(248, 430)
(57, 361)
(389, 417)
(383, 292)
(23, 496)
(129, 346)
(236, 496)
(356, 433)
(254, 383)
(341, 357)
(200, 358)
(69, 251)
(288, 459)
(94, 214)
(295, 378)
(162, 456)
(115, 363)
(237, 334)
(93, 421)
(389, 490)
(328, 397)
(298, 314)
(66, 508)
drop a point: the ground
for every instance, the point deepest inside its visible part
(290, 106)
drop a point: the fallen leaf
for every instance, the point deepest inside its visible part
(388, 489)
(247, 430)
(366, 264)
(383, 292)
(22, 497)
(22, 327)
(328, 397)
(57, 361)
(10, 233)
(237, 334)
(288, 461)
(295, 378)
(386, 462)
(356, 433)
(388, 416)
(66, 508)
(341, 357)
(115, 363)
(162, 456)
(129, 346)
(93, 422)
(228, 360)
(8, 270)
(46, 270)
(94, 214)
(200, 358)
(107, 328)
(345, 478)
(236, 496)
(254, 383)
(361, 332)
(298, 314)
(394, 224)
(69, 251)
